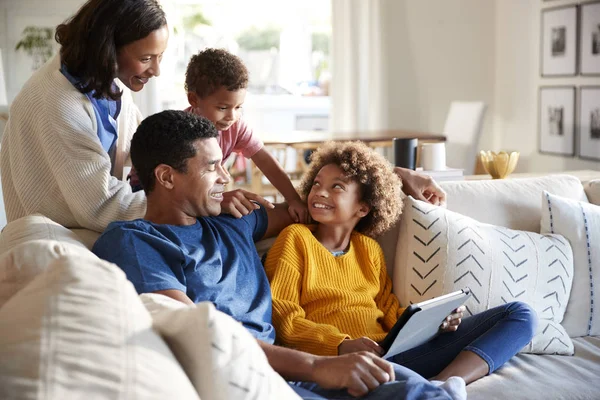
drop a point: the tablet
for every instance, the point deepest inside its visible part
(420, 322)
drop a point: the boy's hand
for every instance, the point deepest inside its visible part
(360, 344)
(241, 202)
(453, 320)
(299, 211)
(359, 373)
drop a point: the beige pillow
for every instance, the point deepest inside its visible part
(592, 190)
(77, 329)
(440, 251)
(222, 359)
(35, 227)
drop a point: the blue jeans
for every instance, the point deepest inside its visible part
(408, 385)
(495, 335)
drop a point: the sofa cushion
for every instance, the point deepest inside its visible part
(579, 222)
(222, 359)
(35, 227)
(512, 203)
(440, 251)
(592, 190)
(528, 376)
(77, 329)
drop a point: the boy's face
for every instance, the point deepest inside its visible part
(334, 199)
(222, 108)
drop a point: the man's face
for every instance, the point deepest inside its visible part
(199, 191)
(222, 108)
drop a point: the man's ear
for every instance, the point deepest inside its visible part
(164, 175)
(363, 210)
(193, 99)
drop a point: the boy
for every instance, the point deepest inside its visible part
(216, 83)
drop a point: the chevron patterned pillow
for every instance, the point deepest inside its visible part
(440, 251)
(579, 222)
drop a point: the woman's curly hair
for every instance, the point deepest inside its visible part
(379, 184)
(211, 68)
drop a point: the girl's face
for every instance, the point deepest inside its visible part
(334, 199)
(139, 61)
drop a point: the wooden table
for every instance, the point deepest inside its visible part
(318, 137)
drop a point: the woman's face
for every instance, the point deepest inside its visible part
(139, 61)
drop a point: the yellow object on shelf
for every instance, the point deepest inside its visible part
(499, 165)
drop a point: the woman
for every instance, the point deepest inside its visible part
(69, 129)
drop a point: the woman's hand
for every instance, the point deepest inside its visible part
(360, 344)
(421, 187)
(241, 202)
(453, 320)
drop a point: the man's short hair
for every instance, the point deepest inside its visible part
(210, 69)
(167, 137)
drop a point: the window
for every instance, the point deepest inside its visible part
(285, 46)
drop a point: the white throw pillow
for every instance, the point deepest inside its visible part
(221, 358)
(579, 222)
(440, 251)
(75, 328)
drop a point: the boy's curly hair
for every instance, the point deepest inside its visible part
(380, 185)
(211, 68)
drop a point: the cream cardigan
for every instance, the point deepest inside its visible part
(52, 161)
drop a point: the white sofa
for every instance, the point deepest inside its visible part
(33, 246)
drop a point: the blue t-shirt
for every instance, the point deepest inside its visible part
(213, 260)
(106, 111)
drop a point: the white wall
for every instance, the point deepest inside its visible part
(439, 51)
(517, 80)
(16, 15)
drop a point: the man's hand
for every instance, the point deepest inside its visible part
(241, 202)
(298, 211)
(359, 373)
(360, 344)
(421, 187)
(453, 320)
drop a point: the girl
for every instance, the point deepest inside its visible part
(331, 291)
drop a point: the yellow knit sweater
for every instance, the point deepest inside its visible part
(319, 299)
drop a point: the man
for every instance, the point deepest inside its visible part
(185, 250)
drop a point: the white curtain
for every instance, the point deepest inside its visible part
(358, 92)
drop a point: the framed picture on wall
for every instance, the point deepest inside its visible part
(559, 41)
(557, 120)
(589, 122)
(589, 49)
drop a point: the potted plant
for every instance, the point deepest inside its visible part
(37, 43)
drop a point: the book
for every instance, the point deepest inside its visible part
(448, 174)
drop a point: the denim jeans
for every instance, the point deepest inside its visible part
(495, 335)
(408, 385)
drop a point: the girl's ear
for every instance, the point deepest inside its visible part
(363, 210)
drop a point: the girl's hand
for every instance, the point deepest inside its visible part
(360, 344)
(453, 320)
(299, 211)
